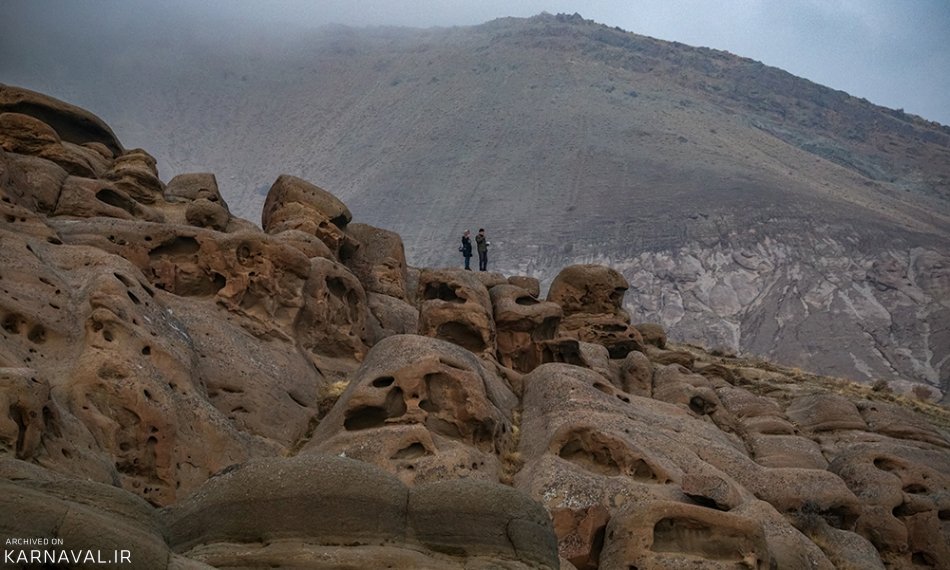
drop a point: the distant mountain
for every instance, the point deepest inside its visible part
(748, 208)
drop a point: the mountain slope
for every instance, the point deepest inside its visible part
(748, 208)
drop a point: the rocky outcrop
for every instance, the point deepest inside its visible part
(202, 393)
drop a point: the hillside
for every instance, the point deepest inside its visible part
(749, 209)
(183, 389)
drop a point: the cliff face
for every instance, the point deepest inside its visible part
(184, 389)
(750, 208)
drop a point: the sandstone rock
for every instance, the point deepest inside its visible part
(489, 278)
(608, 330)
(196, 186)
(423, 409)
(204, 213)
(135, 173)
(676, 535)
(652, 333)
(293, 504)
(825, 412)
(24, 134)
(522, 323)
(23, 399)
(474, 518)
(581, 534)
(39, 184)
(307, 244)
(328, 499)
(87, 198)
(529, 284)
(455, 306)
(904, 489)
(295, 204)
(70, 122)
(379, 262)
(636, 374)
(591, 289)
(891, 420)
(392, 315)
(84, 515)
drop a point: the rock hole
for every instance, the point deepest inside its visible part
(412, 451)
(694, 537)
(107, 335)
(365, 417)
(148, 395)
(123, 279)
(113, 198)
(526, 300)
(146, 350)
(463, 335)
(915, 489)
(177, 247)
(886, 464)
(337, 287)
(923, 559)
(383, 382)
(592, 457)
(443, 292)
(700, 406)
(37, 334)
(124, 446)
(11, 323)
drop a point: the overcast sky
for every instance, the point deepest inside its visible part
(894, 53)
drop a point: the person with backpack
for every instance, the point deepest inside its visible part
(482, 245)
(466, 249)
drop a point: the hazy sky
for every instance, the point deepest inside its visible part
(894, 53)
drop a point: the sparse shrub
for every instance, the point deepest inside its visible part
(882, 386)
(922, 392)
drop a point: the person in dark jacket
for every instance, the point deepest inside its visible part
(466, 249)
(482, 245)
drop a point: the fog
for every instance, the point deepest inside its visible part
(894, 53)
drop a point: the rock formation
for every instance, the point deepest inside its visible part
(184, 387)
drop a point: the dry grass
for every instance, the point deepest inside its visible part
(786, 383)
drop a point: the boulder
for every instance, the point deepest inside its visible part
(522, 323)
(71, 123)
(423, 409)
(379, 261)
(455, 306)
(295, 204)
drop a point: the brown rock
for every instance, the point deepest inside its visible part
(636, 374)
(32, 182)
(70, 122)
(87, 198)
(295, 204)
(529, 284)
(652, 333)
(86, 516)
(136, 174)
(423, 409)
(204, 213)
(591, 289)
(676, 535)
(825, 412)
(379, 261)
(24, 134)
(522, 323)
(456, 307)
(580, 534)
(475, 518)
(392, 316)
(331, 325)
(195, 186)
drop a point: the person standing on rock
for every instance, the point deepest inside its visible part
(466, 249)
(482, 245)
